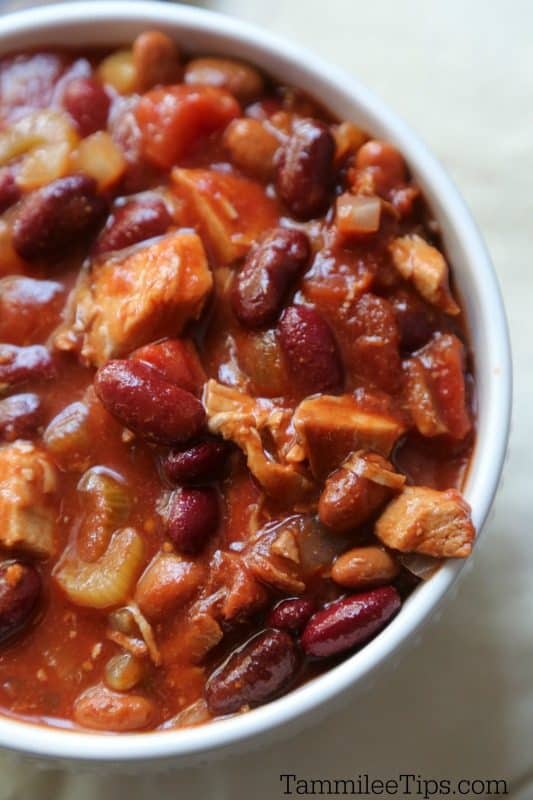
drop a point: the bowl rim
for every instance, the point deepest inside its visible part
(65, 744)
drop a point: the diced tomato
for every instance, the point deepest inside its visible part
(172, 119)
(177, 359)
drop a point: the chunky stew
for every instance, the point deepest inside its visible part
(236, 401)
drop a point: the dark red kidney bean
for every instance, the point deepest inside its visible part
(88, 104)
(51, 220)
(291, 615)
(311, 353)
(349, 622)
(202, 461)
(9, 191)
(304, 175)
(192, 518)
(268, 272)
(140, 397)
(20, 416)
(134, 222)
(253, 674)
(416, 320)
(19, 364)
(20, 591)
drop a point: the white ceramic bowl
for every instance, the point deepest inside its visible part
(113, 23)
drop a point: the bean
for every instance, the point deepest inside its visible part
(251, 147)
(51, 220)
(20, 592)
(310, 350)
(243, 81)
(177, 360)
(364, 567)
(102, 709)
(349, 622)
(168, 582)
(29, 308)
(385, 161)
(88, 104)
(156, 60)
(20, 416)
(20, 364)
(123, 672)
(349, 499)
(203, 461)
(143, 400)
(192, 518)
(253, 674)
(134, 222)
(291, 615)
(305, 168)
(268, 272)
(9, 191)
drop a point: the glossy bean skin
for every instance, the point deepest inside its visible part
(251, 147)
(291, 615)
(268, 272)
(53, 219)
(140, 397)
(103, 709)
(156, 60)
(305, 168)
(134, 222)
(20, 364)
(365, 567)
(253, 674)
(88, 104)
(243, 81)
(349, 622)
(385, 163)
(20, 416)
(20, 592)
(310, 350)
(200, 462)
(193, 516)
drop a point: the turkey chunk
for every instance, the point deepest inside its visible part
(28, 481)
(229, 212)
(128, 301)
(427, 521)
(425, 267)
(245, 420)
(329, 428)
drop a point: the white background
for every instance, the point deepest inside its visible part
(461, 703)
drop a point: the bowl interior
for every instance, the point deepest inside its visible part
(114, 23)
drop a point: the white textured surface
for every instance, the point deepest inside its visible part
(461, 703)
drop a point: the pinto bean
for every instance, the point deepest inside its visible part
(88, 104)
(102, 709)
(253, 674)
(203, 461)
(349, 622)
(193, 517)
(251, 147)
(243, 81)
(305, 168)
(141, 398)
(311, 352)
(268, 272)
(385, 162)
(51, 220)
(156, 60)
(134, 222)
(291, 615)
(20, 364)
(20, 416)
(20, 591)
(364, 567)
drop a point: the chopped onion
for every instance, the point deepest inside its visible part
(356, 214)
(421, 566)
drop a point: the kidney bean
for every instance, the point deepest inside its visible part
(268, 272)
(349, 499)
(349, 622)
(51, 220)
(203, 461)
(305, 168)
(253, 674)
(143, 400)
(156, 60)
(9, 191)
(134, 222)
(364, 567)
(192, 517)
(311, 353)
(20, 364)
(20, 592)
(291, 615)
(88, 104)
(243, 81)
(20, 416)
